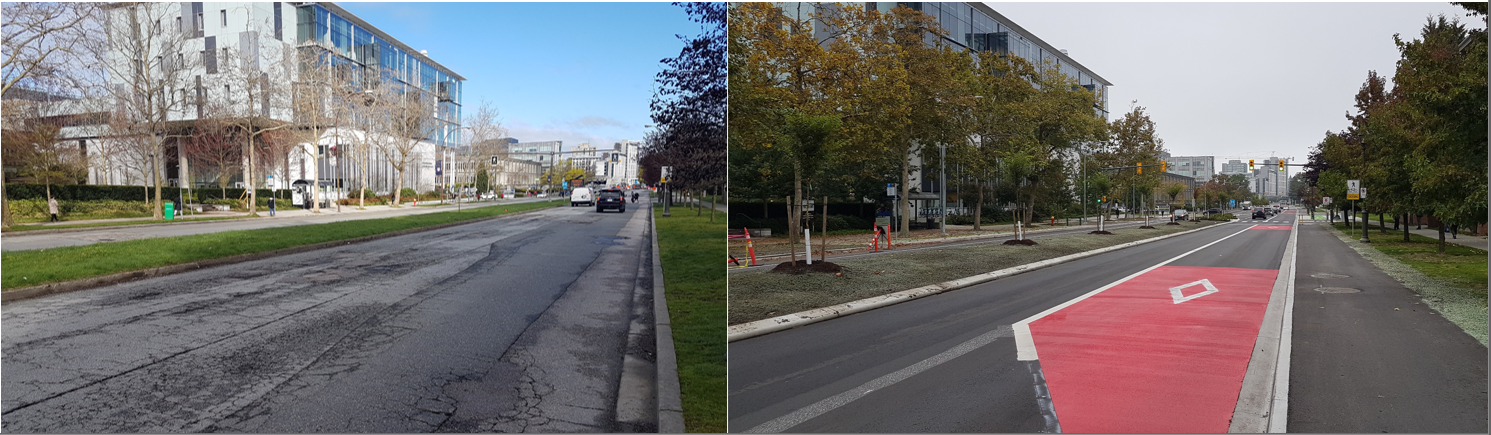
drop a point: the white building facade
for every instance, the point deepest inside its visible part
(205, 51)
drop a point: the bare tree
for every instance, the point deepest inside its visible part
(254, 99)
(143, 67)
(40, 39)
(33, 145)
(482, 146)
(406, 122)
(213, 148)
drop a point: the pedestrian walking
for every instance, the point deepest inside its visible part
(1454, 231)
(52, 207)
(271, 206)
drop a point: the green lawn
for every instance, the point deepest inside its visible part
(692, 251)
(21, 227)
(1461, 266)
(35, 267)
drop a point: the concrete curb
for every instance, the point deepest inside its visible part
(789, 321)
(669, 404)
(1258, 401)
(99, 281)
(955, 239)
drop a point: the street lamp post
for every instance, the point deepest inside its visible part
(942, 183)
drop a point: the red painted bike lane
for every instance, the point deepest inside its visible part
(1165, 351)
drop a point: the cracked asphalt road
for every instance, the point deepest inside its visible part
(516, 325)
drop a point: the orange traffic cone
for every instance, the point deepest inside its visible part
(750, 247)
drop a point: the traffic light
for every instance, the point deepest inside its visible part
(1164, 166)
(1281, 165)
(1103, 199)
(1141, 168)
(1250, 165)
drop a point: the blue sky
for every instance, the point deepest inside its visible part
(576, 72)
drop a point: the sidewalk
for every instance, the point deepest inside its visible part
(1478, 242)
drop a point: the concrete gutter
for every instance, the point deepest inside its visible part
(8, 296)
(789, 321)
(669, 403)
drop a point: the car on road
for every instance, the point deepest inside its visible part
(610, 198)
(1214, 211)
(581, 195)
(1258, 213)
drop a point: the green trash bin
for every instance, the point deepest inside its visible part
(170, 210)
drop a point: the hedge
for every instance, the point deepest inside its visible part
(94, 192)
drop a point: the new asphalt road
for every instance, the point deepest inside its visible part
(517, 324)
(1153, 338)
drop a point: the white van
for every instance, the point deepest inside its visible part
(581, 195)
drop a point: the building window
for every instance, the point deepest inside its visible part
(224, 14)
(225, 54)
(178, 25)
(200, 22)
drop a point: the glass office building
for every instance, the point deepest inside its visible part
(375, 55)
(974, 25)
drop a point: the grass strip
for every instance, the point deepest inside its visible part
(42, 266)
(761, 294)
(691, 249)
(21, 228)
(1453, 283)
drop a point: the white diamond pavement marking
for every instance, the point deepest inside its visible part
(1176, 295)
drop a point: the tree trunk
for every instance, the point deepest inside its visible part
(159, 212)
(905, 201)
(398, 187)
(794, 209)
(5, 220)
(1405, 227)
(1441, 237)
(248, 182)
(978, 210)
(1381, 227)
(823, 250)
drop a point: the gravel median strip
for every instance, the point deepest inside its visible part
(869, 283)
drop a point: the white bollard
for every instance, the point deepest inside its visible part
(807, 237)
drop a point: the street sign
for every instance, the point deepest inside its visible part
(1232, 204)
(666, 173)
(1326, 200)
(269, 181)
(438, 169)
(1364, 193)
(890, 189)
(1353, 189)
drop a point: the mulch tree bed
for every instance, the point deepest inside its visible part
(1026, 242)
(802, 267)
(1101, 232)
(1146, 227)
(1173, 223)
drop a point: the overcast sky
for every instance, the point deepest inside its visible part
(1233, 80)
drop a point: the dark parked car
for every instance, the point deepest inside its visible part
(1258, 213)
(610, 198)
(1214, 211)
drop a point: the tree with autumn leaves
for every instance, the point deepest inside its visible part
(901, 97)
(1420, 148)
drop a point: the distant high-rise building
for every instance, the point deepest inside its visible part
(1235, 167)
(1197, 167)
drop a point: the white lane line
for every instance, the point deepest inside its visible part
(1025, 344)
(823, 406)
(1278, 419)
